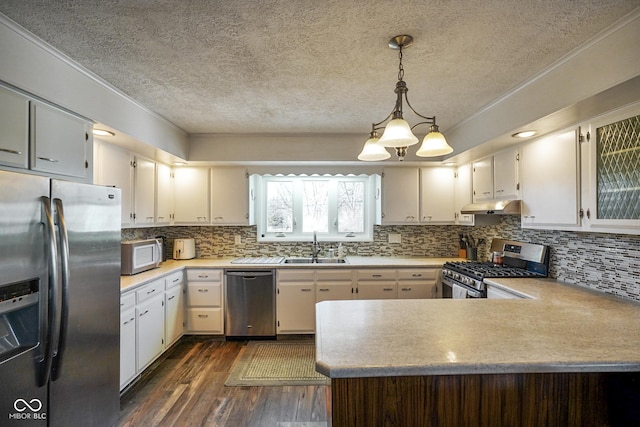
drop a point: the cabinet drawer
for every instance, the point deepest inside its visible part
(334, 275)
(204, 275)
(302, 275)
(411, 290)
(204, 320)
(204, 294)
(127, 301)
(150, 290)
(386, 274)
(377, 290)
(418, 274)
(174, 279)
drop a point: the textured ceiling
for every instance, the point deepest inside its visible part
(292, 66)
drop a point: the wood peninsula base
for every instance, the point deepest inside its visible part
(528, 399)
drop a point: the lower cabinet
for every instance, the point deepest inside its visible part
(150, 316)
(295, 301)
(205, 313)
(174, 308)
(418, 283)
(128, 368)
(377, 284)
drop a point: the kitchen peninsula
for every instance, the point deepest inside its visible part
(554, 359)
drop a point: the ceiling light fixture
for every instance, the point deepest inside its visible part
(102, 132)
(398, 133)
(524, 134)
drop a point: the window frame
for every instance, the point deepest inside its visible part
(297, 235)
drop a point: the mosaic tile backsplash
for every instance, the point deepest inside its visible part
(605, 262)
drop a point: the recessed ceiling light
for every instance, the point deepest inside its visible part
(102, 132)
(524, 134)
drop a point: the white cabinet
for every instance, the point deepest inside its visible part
(400, 195)
(60, 142)
(377, 284)
(128, 367)
(114, 168)
(463, 194)
(551, 182)
(437, 201)
(229, 196)
(174, 307)
(295, 301)
(14, 122)
(496, 177)
(494, 292)
(164, 194)
(334, 285)
(418, 283)
(150, 323)
(205, 313)
(144, 191)
(191, 195)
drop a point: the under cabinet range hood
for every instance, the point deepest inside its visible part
(493, 207)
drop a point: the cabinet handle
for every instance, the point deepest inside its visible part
(48, 159)
(151, 291)
(203, 316)
(142, 314)
(305, 290)
(416, 275)
(175, 280)
(410, 217)
(323, 290)
(405, 289)
(129, 321)
(203, 276)
(487, 192)
(499, 191)
(387, 289)
(376, 275)
(203, 290)
(171, 297)
(6, 150)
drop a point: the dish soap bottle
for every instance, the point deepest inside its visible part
(341, 251)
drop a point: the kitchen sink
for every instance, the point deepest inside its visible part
(310, 260)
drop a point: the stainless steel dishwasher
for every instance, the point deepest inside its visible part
(250, 304)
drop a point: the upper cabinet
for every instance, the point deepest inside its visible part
(164, 194)
(400, 195)
(437, 189)
(144, 191)
(463, 194)
(114, 168)
(44, 138)
(229, 196)
(496, 177)
(550, 181)
(191, 195)
(610, 150)
(14, 122)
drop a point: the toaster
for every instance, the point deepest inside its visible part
(184, 249)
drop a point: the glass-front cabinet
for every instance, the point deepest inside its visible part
(611, 171)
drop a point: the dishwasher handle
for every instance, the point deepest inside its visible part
(249, 275)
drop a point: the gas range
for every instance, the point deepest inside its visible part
(466, 279)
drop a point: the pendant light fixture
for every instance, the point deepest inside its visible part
(398, 134)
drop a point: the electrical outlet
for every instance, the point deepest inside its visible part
(238, 239)
(395, 238)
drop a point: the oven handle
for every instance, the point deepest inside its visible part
(471, 293)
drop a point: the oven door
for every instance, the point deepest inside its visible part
(455, 290)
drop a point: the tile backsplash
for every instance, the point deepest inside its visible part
(605, 262)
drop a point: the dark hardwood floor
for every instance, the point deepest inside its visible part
(186, 388)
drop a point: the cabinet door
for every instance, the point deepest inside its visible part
(550, 182)
(415, 290)
(127, 346)
(437, 195)
(174, 314)
(377, 290)
(14, 122)
(150, 316)
(144, 191)
(295, 308)
(191, 195)
(463, 191)
(164, 194)
(334, 291)
(60, 141)
(229, 196)
(505, 174)
(400, 196)
(114, 168)
(483, 180)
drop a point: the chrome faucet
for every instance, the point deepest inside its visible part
(316, 248)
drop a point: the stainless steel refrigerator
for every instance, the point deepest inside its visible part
(59, 302)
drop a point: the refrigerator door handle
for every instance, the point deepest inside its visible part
(48, 322)
(60, 343)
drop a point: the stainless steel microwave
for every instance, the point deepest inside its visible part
(140, 255)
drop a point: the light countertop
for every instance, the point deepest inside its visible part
(563, 329)
(169, 266)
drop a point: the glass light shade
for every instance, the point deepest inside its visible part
(373, 151)
(398, 133)
(433, 145)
